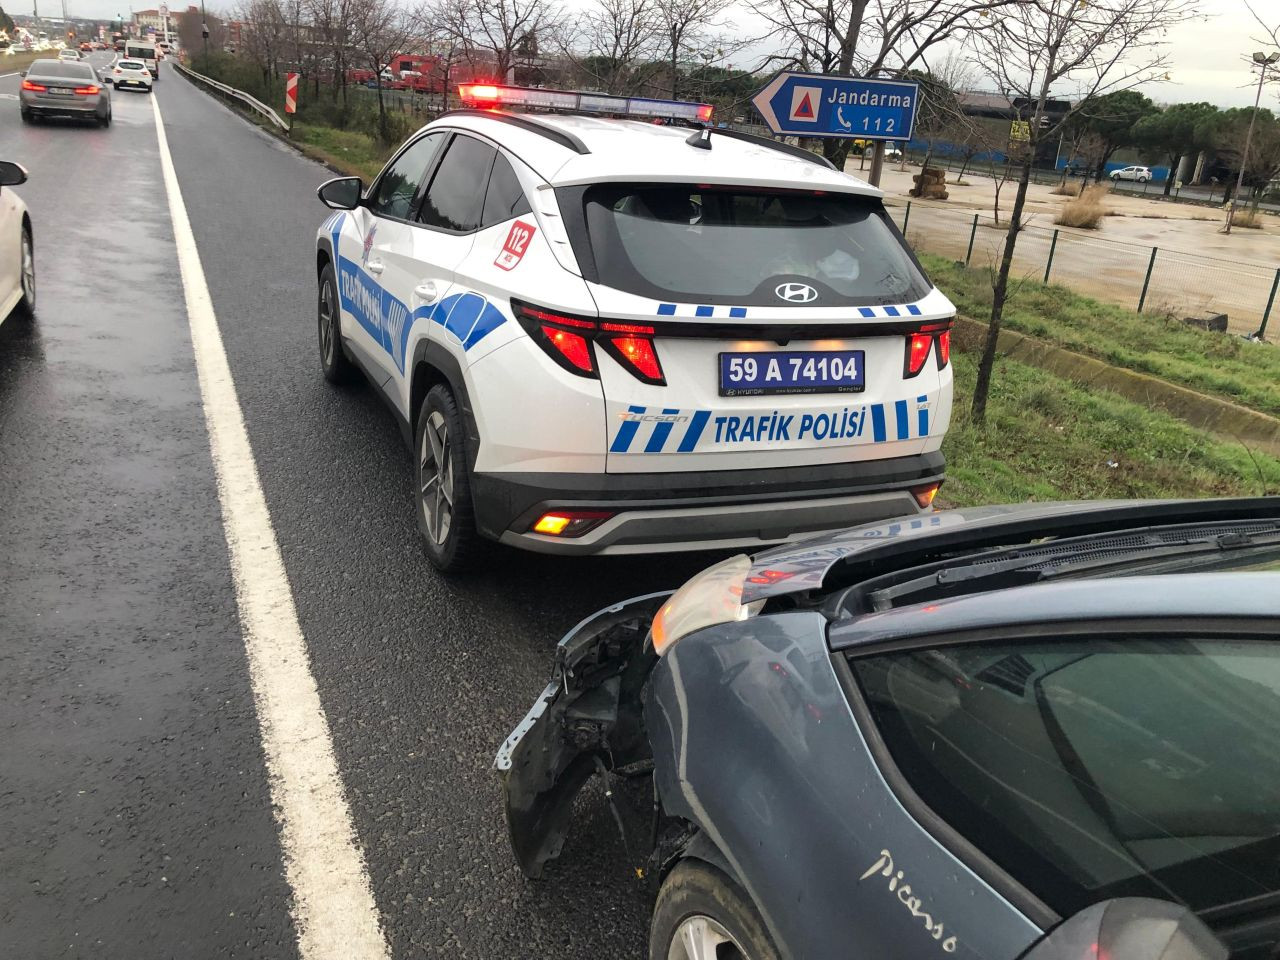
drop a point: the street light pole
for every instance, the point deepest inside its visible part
(204, 29)
(1263, 60)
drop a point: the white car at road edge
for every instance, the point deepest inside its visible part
(17, 248)
(609, 336)
(1134, 172)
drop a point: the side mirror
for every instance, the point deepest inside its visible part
(341, 194)
(12, 174)
(1130, 928)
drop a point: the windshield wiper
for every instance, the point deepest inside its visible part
(1027, 565)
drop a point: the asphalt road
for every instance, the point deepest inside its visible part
(133, 791)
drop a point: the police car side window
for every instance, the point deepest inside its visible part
(396, 190)
(504, 199)
(456, 194)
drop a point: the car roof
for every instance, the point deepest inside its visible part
(568, 149)
(1231, 597)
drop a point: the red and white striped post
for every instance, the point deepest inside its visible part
(291, 95)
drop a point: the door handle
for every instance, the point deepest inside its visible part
(426, 291)
(375, 266)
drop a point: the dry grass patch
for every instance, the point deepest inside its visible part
(1066, 189)
(1085, 211)
(1248, 219)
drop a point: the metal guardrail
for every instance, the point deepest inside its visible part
(251, 102)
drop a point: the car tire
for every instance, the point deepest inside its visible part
(105, 121)
(27, 116)
(334, 363)
(27, 274)
(698, 903)
(442, 484)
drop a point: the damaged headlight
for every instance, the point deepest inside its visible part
(714, 596)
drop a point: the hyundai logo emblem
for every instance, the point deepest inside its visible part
(796, 292)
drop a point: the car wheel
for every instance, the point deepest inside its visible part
(26, 116)
(446, 518)
(27, 274)
(105, 120)
(335, 365)
(702, 913)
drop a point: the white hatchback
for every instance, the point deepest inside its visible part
(609, 336)
(133, 74)
(1136, 173)
(17, 249)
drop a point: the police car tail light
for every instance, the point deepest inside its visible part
(565, 339)
(919, 346)
(712, 597)
(573, 347)
(637, 354)
(924, 495)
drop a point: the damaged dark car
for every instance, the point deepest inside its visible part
(1046, 730)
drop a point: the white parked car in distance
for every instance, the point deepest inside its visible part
(1140, 174)
(17, 251)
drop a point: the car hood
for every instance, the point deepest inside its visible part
(806, 565)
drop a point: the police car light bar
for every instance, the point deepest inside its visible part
(490, 95)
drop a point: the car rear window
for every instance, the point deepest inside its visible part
(56, 68)
(1097, 768)
(132, 65)
(713, 244)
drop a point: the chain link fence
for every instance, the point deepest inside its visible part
(1146, 279)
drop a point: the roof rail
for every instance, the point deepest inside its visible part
(800, 153)
(533, 125)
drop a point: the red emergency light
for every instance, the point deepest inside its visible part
(491, 95)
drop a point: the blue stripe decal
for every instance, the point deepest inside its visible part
(866, 311)
(900, 415)
(737, 313)
(922, 417)
(660, 434)
(704, 311)
(626, 433)
(877, 422)
(913, 310)
(666, 309)
(696, 426)
(892, 311)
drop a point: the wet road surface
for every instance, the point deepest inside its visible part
(133, 787)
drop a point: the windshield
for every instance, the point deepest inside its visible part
(1098, 768)
(56, 68)
(713, 244)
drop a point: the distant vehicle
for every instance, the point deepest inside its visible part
(891, 151)
(1136, 173)
(57, 88)
(86, 47)
(145, 51)
(69, 54)
(131, 74)
(17, 252)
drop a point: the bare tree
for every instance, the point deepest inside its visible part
(1030, 49)
(379, 30)
(692, 29)
(866, 38)
(500, 32)
(331, 22)
(614, 42)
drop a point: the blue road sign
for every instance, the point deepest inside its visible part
(817, 105)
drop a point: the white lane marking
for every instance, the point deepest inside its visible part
(333, 908)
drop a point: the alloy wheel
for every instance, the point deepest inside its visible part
(701, 938)
(436, 478)
(28, 272)
(328, 337)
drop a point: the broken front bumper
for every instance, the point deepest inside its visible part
(587, 719)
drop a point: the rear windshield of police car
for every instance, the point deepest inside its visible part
(741, 245)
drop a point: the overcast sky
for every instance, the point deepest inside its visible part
(1205, 55)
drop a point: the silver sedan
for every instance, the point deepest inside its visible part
(63, 88)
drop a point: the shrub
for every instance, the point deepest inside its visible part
(1066, 189)
(1247, 219)
(1085, 210)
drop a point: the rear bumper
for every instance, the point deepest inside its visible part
(703, 510)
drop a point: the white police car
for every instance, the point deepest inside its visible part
(610, 336)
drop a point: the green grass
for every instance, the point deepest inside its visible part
(1218, 364)
(350, 151)
(1050, 439)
